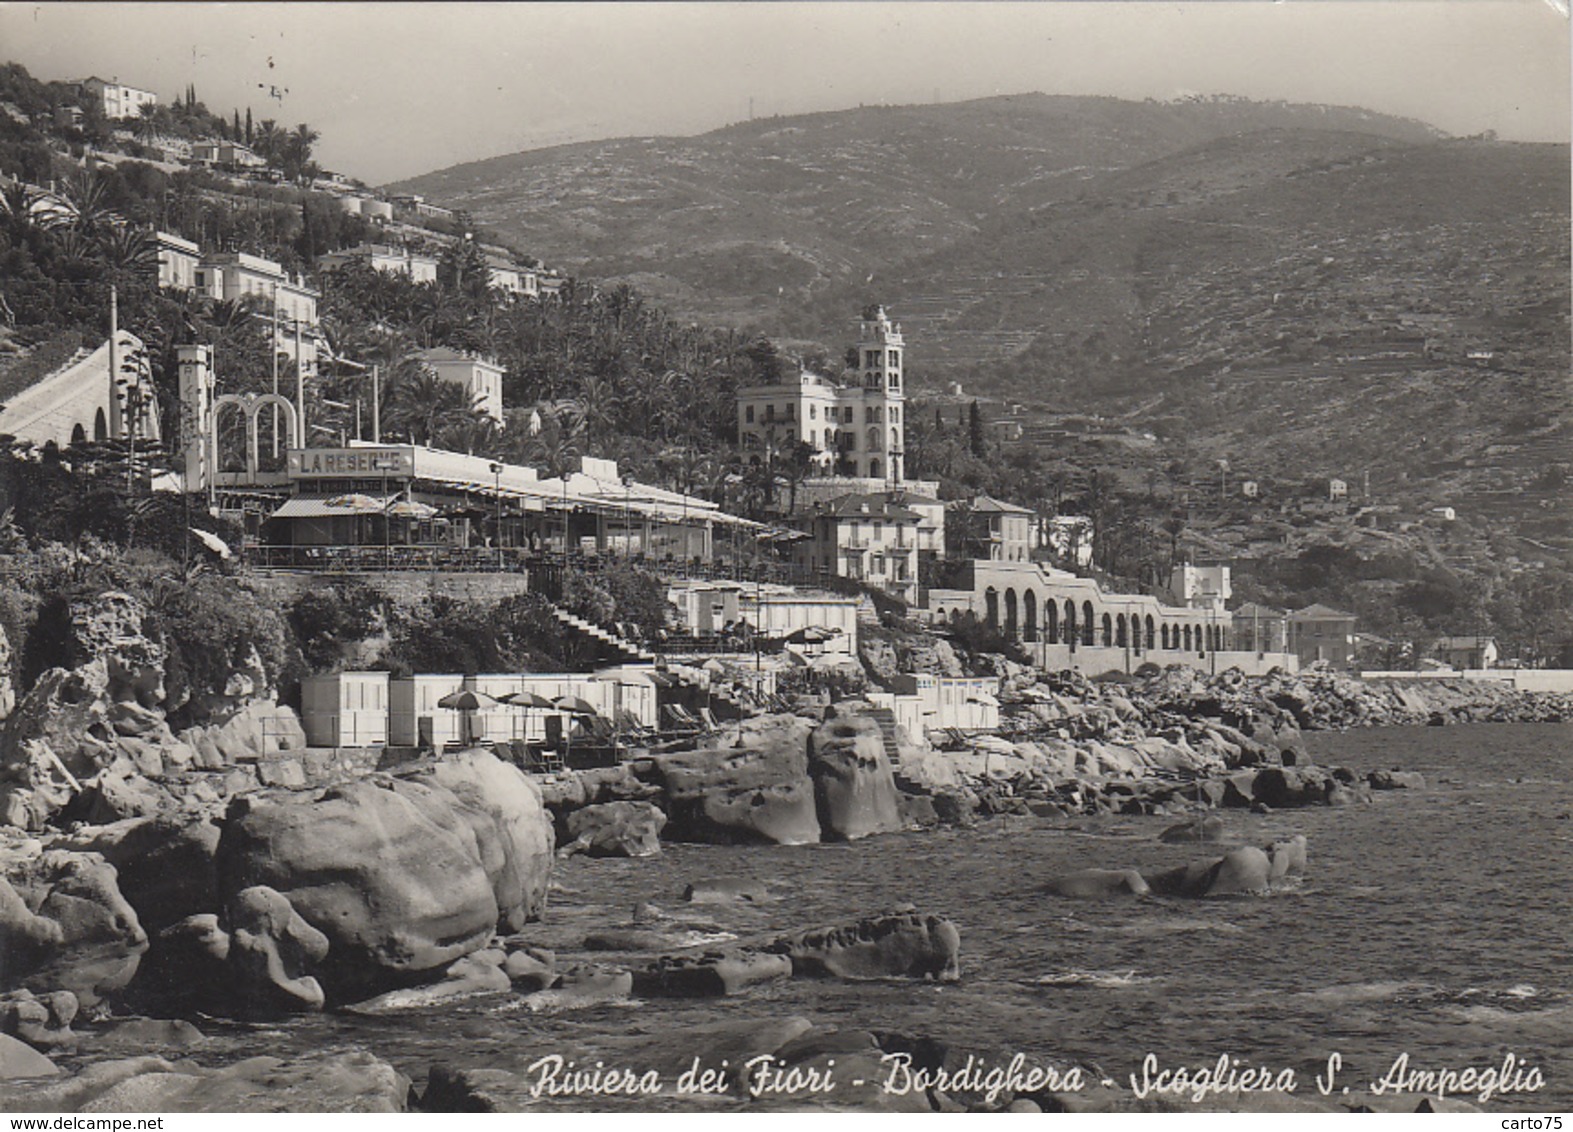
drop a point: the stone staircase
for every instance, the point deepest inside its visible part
(887, 730)
(629, 652)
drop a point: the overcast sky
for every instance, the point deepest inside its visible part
(401, 89)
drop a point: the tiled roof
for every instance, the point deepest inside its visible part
(989, 503)
(1321, 613)
(861, 506)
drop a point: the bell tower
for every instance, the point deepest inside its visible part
(881, 358)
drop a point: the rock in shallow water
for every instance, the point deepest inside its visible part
(908, 945)
(1092, 883)
(65, 926)
(616, 829)
(711, 973)
(42, 1021)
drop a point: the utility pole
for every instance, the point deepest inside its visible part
(273, 348)
(300, 386)
(114, 349)
(376, 407)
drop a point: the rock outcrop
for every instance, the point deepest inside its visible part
(65, 926)
(319, 1082)
(403, 876)
(854, 789)
(757, 792)
(616, 829)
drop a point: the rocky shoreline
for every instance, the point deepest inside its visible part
(150, 876)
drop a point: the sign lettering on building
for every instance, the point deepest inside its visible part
(350, 463)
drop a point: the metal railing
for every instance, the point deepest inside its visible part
(386, 559)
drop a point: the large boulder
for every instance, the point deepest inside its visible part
(906, 944)
(165, 863)
(513, 832)
(616, 829)
(65, 926)
(42, 1021)
(19, 1061)
(760, 792)
(854, 789)
(270, 948)
(257, 729)
(403, 876)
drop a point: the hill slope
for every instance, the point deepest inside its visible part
(1305, 289)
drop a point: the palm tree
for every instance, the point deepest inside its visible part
(598, 406)
(556, 452)
(129, 250)
(268, 143)
(797, 464)
(296, 155)
(422, 406)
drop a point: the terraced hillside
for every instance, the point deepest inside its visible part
(1296, 288)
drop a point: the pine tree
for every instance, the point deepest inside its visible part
(975, 438)
(236, 135)
(248, 125)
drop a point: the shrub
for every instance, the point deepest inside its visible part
(325, 622)
(210, 626)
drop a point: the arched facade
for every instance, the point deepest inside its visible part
(251, 406)
(1075, 623)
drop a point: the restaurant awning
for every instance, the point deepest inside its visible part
(322, 507)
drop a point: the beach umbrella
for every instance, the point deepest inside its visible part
(575, 705)
(210, 540)
(466, 699)
(410, 509)
(527, 700)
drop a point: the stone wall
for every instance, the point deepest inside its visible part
(404, 588)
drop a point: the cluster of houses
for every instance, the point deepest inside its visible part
(396, 212)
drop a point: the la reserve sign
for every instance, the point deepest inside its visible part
(349, 463)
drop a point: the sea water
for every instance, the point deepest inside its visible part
(1431, 926)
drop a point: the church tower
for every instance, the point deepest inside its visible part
(881, 351)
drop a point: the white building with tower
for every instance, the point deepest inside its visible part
(854, 424)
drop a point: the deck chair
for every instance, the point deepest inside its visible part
(709, 719)
(630, 727)
(681, 719)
